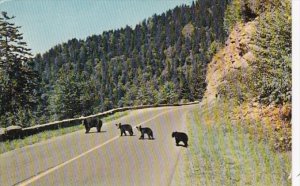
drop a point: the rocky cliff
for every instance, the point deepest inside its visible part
(230, 67)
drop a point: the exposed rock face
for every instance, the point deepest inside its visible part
(237, 58)
(234, 56)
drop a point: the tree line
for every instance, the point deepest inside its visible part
(161, 60)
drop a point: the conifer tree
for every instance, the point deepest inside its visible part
(65, 100)
(153, 62)
(273, 50)
(18, 80)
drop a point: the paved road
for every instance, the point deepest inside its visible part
(102, 158)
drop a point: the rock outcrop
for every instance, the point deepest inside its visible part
(237, 58)
(234, 56)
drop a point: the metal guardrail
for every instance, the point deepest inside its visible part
(22, 132)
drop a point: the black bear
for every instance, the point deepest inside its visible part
(145, 130)
(92, 122)
(180, 136)
(125, 127)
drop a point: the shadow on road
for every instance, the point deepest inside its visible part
(95, 132)
(180, 145)
(147, 139)
(128, 135)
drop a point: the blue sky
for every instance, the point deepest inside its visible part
(46, 23)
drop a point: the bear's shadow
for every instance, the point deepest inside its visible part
(127, 135)
(95, 132)
(147, 139)
(181, 145)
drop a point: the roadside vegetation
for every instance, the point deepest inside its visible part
(242, 138)
(29, 140)
(242, 133)
(224, 152)
(161, 60)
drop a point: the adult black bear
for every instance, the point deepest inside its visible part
(180, 136)
(92, 122)
(145, 130)
(125, 127)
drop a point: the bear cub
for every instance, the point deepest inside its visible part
(92, 122)
(180, 136)
(145, 130)
(125, 127)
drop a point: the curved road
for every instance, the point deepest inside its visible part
(102, 158)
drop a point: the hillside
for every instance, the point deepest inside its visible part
(235, 51)
(235, 57)
(161, 60)
(234, 75)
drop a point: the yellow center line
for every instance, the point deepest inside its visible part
(38, 176)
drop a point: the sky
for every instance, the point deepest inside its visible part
(46, 23)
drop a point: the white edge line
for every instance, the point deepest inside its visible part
(38, 176)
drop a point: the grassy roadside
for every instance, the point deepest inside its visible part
(29, 140)
(225, 153)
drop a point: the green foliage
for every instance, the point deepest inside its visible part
(233, 15)
(226, 153)
(213, 48)
(167, 94)
(246, 10)
(18, 81)
(66, 97)
(39, 137)
(238, 86)
(161, 60)
(273, 68)
(283, 138)
(269, 77)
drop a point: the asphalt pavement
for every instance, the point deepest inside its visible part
(104, 158)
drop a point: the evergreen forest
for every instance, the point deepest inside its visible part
(162, 60)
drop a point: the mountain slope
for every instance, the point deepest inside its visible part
(162, 60)
(234, 58)
(252, 73)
